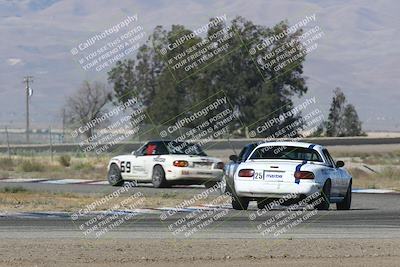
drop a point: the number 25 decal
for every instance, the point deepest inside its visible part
(125, 166)
(258, 176)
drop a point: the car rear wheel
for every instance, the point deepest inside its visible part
(240, 203)
(114, 176)
(262, 203)
(325, 195)
(223, 187)
(227, 186)
(158, 177)
(346, 203)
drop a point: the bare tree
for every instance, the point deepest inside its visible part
(86, 105)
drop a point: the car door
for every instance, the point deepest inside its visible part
(138, 170)
(145, 159)
(154, 154)
(125, 166)
(343, 179)
(333, 173)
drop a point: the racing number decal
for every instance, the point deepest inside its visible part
(125, 166)
(258, 176)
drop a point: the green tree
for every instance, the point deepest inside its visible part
(351, 122)
(343, 118)
(253, 93)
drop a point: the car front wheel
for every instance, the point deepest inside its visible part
(158, 177)
(346, 203)
(114, 176)
(325, 195)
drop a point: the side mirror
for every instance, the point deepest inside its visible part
(234, 158)
(133, 153)
(339, 163)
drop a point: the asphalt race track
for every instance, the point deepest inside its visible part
(372, 216)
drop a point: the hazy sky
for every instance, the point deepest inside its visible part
(359, 51)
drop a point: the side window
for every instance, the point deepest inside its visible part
(151, 149)
(242, 154)
(141, 151)
(246, 151)
(155, 148)
(162, 149)
(328, 158)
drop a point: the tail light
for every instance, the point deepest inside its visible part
(220, 165)
(181, 163)
(304, 175)
(246, 173)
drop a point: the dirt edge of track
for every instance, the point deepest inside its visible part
(199, 252)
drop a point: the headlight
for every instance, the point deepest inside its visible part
(220, 165)
(181, 163)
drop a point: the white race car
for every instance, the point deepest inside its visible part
(164, 163)
(273, 170)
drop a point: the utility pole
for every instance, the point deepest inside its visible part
(8, 144)
(63, 124)
(51, 145)
(27, 80)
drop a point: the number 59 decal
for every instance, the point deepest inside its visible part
(125, 166)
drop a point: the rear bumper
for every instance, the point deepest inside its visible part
(274, 189)
(194, 174)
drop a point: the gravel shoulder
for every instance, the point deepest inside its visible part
(199, 252)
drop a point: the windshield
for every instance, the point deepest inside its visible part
(184, 148)
(287, 153)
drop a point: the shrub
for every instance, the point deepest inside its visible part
(14, 189)
(31, 166)
(7, 164)
(391, 173)
(83, 166)
(65, 160)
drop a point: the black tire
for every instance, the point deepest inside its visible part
(240, 203)
(114, 176)
(158, 177)
(325, 194)
(229, 185)
(346, 203)
(262, 203)
(224, 187)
